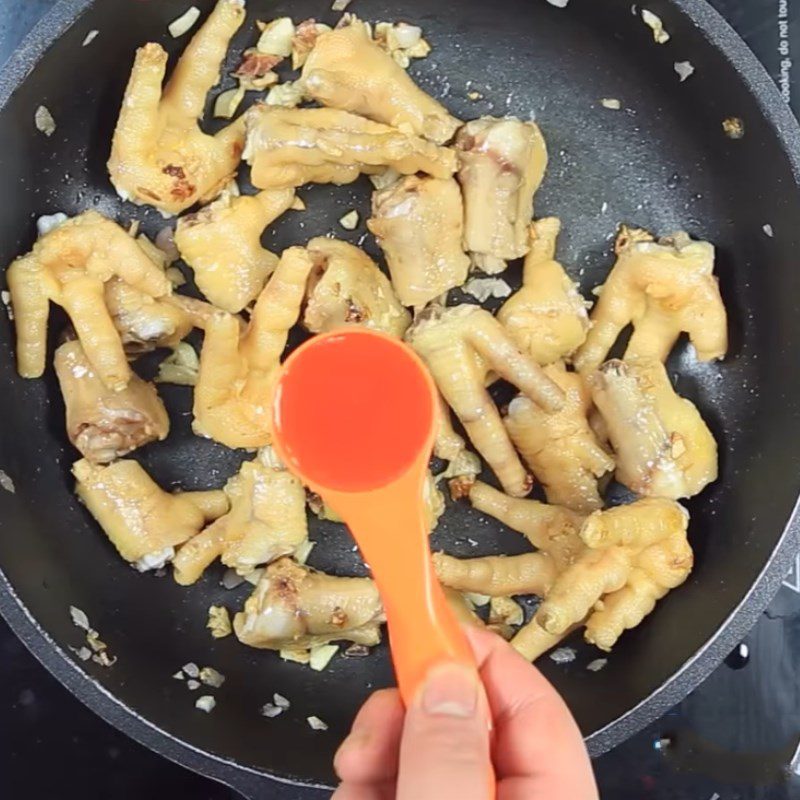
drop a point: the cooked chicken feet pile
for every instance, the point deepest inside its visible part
(449, 197)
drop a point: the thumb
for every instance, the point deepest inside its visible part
(445, 749)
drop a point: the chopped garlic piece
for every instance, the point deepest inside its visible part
(409, 38)
(49, 222)
(340, 5)
(276, 37)
(350, 220)
(298, 204)
(563, 655)
(484, 288)
(205, 703)
(768, 230)
(228, 102)
(192, 685)
(685, 69)
(280, 701)
(176, 277)
(44, 121)
(656, 25)
(303, 551)
(288, 94)
(381, 180)
(83, 653)
(612, 103)
(477, 600)
(211, 677)
(90, 37)
(558, 3)
(597, 664)
(155, 560)
(464, 464)
(231, 578)
(95, 642)
(316, 724)
(298, 656)
(79, 618)
(402, 41)
(181, 367)
(179, 676)
(254, 577)
(733, 127)
(6, 298)
(321, 656)
(473, 95)
(271, 711)
(191, 669)
(269, 458)
(104, 659)
(356, 651)
(184, 23)
(219, 622)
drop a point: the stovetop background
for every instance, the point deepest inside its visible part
(737, 737)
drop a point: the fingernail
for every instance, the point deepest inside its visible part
(450, 690)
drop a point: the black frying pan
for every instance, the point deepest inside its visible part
(662, 163)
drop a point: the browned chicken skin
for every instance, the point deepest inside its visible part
(159, 155)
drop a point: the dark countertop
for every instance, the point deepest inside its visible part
(734, 738)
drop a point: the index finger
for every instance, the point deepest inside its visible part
(536, 738)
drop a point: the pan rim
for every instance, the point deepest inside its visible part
(94, 695)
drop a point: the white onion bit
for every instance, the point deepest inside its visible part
(685, 69)
(563, 655)
(79, 618)
(44, 121)
(184, 23)
(6, 483)
(191, 669)
(205, 703)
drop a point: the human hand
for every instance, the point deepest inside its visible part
(441, 746)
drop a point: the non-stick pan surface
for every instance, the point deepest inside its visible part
(662, 162)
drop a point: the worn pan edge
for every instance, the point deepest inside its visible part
(776, 112)
(27, 629)
(695, 670)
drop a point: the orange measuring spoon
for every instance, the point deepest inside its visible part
(354, 418)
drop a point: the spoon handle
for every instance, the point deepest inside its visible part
(391, 529)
